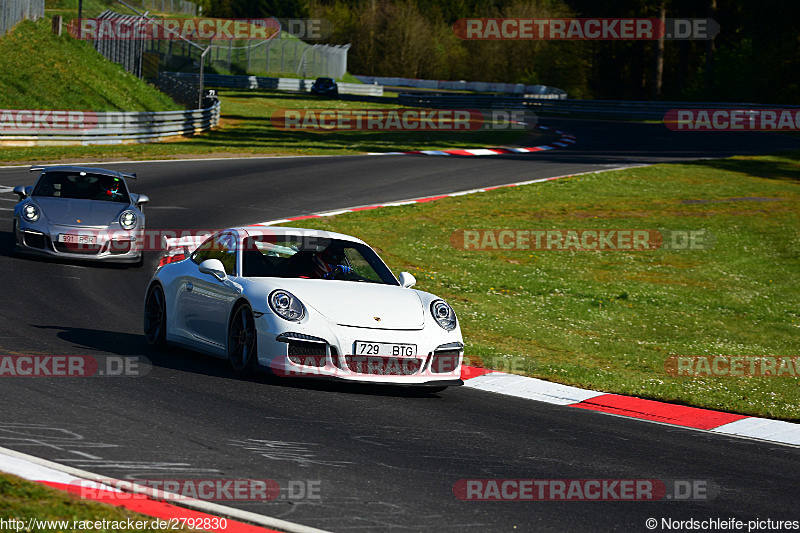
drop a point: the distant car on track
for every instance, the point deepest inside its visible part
(302, 303)
(80, 213)
(325, 87)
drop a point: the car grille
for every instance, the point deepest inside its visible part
(307, 353)
(119, 247)
(69, 248)
(444, 362)
(382, 366)
(35, 240)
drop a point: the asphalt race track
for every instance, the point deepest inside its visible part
(376, 459)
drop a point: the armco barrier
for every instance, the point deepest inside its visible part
(23, 129)
(539, 91)
(277, 84)
(578, 108)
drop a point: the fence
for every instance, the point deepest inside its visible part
(576, 108)
(166, 6)
(280, 54)
(278, 84)
(14, 11)
(105, 128)
(540, 91)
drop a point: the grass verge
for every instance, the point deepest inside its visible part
(23, 500)
(245, 129)
(608, 320)
(41, 70)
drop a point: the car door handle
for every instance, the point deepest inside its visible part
(189, 286)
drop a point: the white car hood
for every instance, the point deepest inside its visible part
(365, 305)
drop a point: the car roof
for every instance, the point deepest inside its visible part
(88, 170)
(303, 232)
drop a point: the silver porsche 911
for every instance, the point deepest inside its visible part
(80, 213)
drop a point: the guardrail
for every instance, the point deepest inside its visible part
(541, 91)
(80, 128)
(578, 108)
(229, 81)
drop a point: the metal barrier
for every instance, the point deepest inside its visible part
(80, 128)
(14, 11)
(278, 84)
(578, 108)
(540, 91)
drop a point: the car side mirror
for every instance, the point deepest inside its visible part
(141, 199)
(215, 268)
(407, 280)
(21, 191)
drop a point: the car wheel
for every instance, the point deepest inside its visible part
(155, 317)
(242, 339)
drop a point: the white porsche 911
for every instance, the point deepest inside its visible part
(302, 303)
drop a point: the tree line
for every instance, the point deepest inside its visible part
(754, 58)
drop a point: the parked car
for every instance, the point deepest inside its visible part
(325, 87)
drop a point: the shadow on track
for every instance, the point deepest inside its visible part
(185, 360)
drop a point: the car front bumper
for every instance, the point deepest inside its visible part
(329, 353)
(110, 246)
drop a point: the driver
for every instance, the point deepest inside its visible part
(328, 263)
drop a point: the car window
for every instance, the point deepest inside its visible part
(82, 186)
(222, 247)
(292, 258)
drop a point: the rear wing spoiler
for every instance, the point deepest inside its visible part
(179, 248)
(126, 175)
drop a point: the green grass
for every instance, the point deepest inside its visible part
(24, 500)
(609, 320)
(246, 130)
(39, 70)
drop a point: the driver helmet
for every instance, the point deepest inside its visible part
(326, 261)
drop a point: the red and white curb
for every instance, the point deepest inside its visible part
(629, 406)
(427, 198)
(76, 481)
(555, 393)
(566, 139)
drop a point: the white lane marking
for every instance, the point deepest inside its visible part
(165, 207)
(6, 208)
(15, 200)
(5, 188)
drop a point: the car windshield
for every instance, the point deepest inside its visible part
(82, 186)
(288, 257)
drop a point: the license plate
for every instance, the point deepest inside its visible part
(77, 239)
(385, 348)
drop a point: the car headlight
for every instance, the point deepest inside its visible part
(30, 212)
(127, 219)
(443, 314)
(286, 306)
